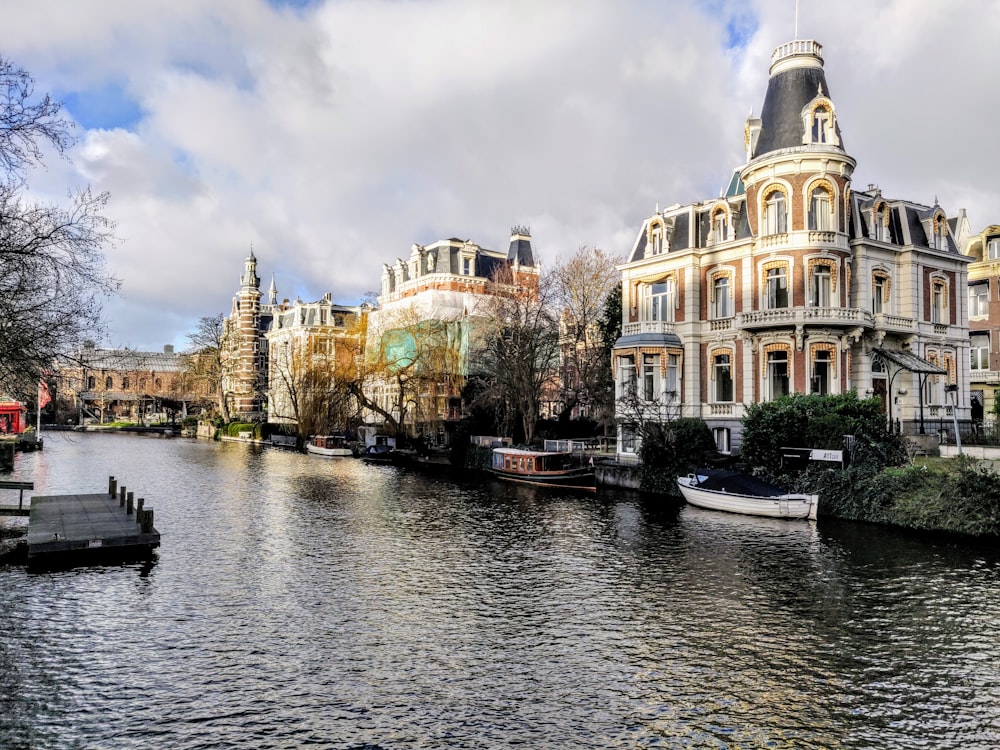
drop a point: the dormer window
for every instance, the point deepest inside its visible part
(466, 266)
(775, 221)
(657, 237)
(720, 225)
(993, 248)
(940, 240)
(822, 125)
(882, 223)
(821, 210)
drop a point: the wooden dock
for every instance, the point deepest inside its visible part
(64, 527)
(22, 508)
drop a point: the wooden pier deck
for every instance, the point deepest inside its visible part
(62, 527)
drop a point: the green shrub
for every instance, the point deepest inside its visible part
(814, 421)
(671, 450)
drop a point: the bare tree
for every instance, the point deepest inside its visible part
(309, 384)
(52, 275)
(204, 360)
(519, 357)
(413, 359)
(582, 284)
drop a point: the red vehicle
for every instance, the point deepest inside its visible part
(13, 417)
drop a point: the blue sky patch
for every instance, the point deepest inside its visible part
(105, 108)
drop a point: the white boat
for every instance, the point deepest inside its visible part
(331, 446)
(738, 493)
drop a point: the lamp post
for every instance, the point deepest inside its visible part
(952, 388)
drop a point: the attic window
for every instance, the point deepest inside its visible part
(657, 237)
(993, 248)
(881, 222)
(940, 233)
(720, 225)
(822, 125)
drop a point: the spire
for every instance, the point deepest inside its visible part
(249, 277)
(272, 293)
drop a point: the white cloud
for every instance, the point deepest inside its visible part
(335, 137)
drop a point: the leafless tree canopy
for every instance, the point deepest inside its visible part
(204, 361)
(582, 284)
(519, 358)
(52, 274)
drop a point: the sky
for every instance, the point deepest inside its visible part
(331, 135)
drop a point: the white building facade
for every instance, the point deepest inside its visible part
(792, 281)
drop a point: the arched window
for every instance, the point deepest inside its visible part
(821, 210)
(823, 368)
(721, 296)
(722, 376)
(107, 383)
(822, 125)
(939, 302)
(91, 382)
(777, 371)
(125, 383)
(658, 300)
(776, 286)
(820, 285)
(880, 292)
(775, 221)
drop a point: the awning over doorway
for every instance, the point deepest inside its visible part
(908, 361)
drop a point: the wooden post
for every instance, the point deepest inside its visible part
(112, 486)
(147, 521)
(121, 496)
(138, 505)
(130, 506)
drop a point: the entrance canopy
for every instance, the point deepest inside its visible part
(908, 361)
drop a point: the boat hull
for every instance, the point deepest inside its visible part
(582, 479)
(781, 506)
(329, 452)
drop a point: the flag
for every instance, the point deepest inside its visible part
(44, 397)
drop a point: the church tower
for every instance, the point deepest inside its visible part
(245, 350)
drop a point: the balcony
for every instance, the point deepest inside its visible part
(814, 316)
(895, 323)
(653, 327)
(987, 377)
(729, 410)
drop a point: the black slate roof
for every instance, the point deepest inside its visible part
(520, 250)
(787, 94)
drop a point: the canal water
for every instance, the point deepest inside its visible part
(306, 602)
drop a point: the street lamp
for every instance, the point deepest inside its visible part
(952, 388)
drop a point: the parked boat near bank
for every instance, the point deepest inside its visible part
(735, 492)
(544, 468)
(331, 446)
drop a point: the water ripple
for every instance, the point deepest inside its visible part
(297, 602)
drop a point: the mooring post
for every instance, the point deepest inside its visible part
(130, 507)
(112, 486)
(121, 496)
(147, 521)
(138, 506)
